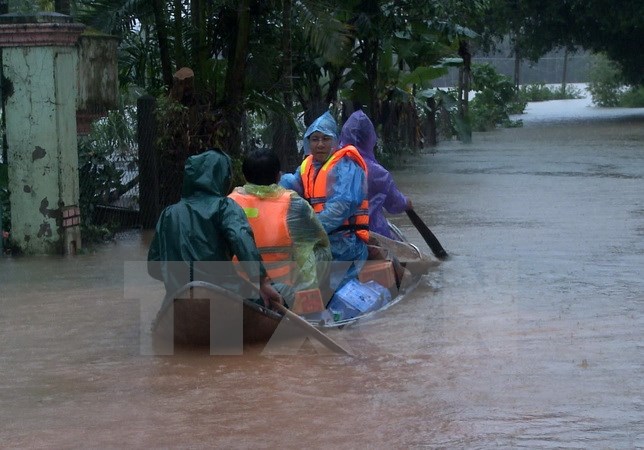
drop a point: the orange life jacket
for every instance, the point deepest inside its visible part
(315, 185)
(267, 218)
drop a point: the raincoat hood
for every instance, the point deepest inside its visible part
(325, 124)
(208, 173)
(358, 131)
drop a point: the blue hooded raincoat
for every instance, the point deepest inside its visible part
(383, 193)
(346, 188)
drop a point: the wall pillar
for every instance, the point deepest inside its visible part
(39, 67)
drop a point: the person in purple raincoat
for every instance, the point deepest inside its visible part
(383, 193)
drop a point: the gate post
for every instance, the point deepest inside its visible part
(148, 162)
(39, 64)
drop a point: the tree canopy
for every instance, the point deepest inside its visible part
(283, 58)
(614, 27)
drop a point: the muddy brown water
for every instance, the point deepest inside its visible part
(530, 336)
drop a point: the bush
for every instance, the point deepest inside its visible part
(633, 98)
(541, 92)
(495, 100)
(110, 145)
(5, 217)
(608, 88)
(606, 82)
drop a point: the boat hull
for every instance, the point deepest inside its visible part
(202, 314)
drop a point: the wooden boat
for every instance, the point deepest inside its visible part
(187, 315)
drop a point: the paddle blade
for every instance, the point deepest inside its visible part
(311, 330)
(428, 236)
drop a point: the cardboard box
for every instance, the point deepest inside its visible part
(308, 301)
(382, 272)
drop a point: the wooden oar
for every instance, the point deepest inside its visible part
(305, 326)
(311, 330)
(428, 236)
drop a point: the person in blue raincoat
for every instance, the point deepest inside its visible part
(334, 181)
(204, 226)
(359, 131)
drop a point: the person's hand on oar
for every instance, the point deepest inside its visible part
(278, 304)
(268, 293)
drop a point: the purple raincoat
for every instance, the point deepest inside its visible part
(383, 193)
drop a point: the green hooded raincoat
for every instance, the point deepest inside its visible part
(204, 225)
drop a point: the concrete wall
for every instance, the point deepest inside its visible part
(41, 143)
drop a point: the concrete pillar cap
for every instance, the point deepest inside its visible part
(38, 30)
(41, 17)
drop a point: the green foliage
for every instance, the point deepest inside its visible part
(21, 6)
(30, 6)
(5, 212)
(606, 82)
(496, 98)
(138, 62)
(449, 121)
(541, 92)
(4, 176)
(538, 26)
(238, 176)
(187, 130)
(373, 51)
(101, 156)
(392, 156)
(323, 31)
(633, 98)
(614, 28)
(183, 131)
(608, 86)
(171, 116)
(7, 244)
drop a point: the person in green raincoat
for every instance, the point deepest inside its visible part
(205, 225)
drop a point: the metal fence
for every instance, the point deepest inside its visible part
(548, 70)
(133, 198)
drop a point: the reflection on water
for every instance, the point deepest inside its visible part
(530, 335)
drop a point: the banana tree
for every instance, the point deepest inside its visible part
(398, 52)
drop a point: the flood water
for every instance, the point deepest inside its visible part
(530, 336)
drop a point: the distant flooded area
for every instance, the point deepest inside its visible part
(531, 335)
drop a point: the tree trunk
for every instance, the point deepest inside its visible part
(235, 76)
(432, 138)
(199, 47)
(284, 139)
(314, 109)
(464, 88)
(370, 58)
(334, 84)
(158, 7)
(565, 72)
(179, 50)
(517, 67)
